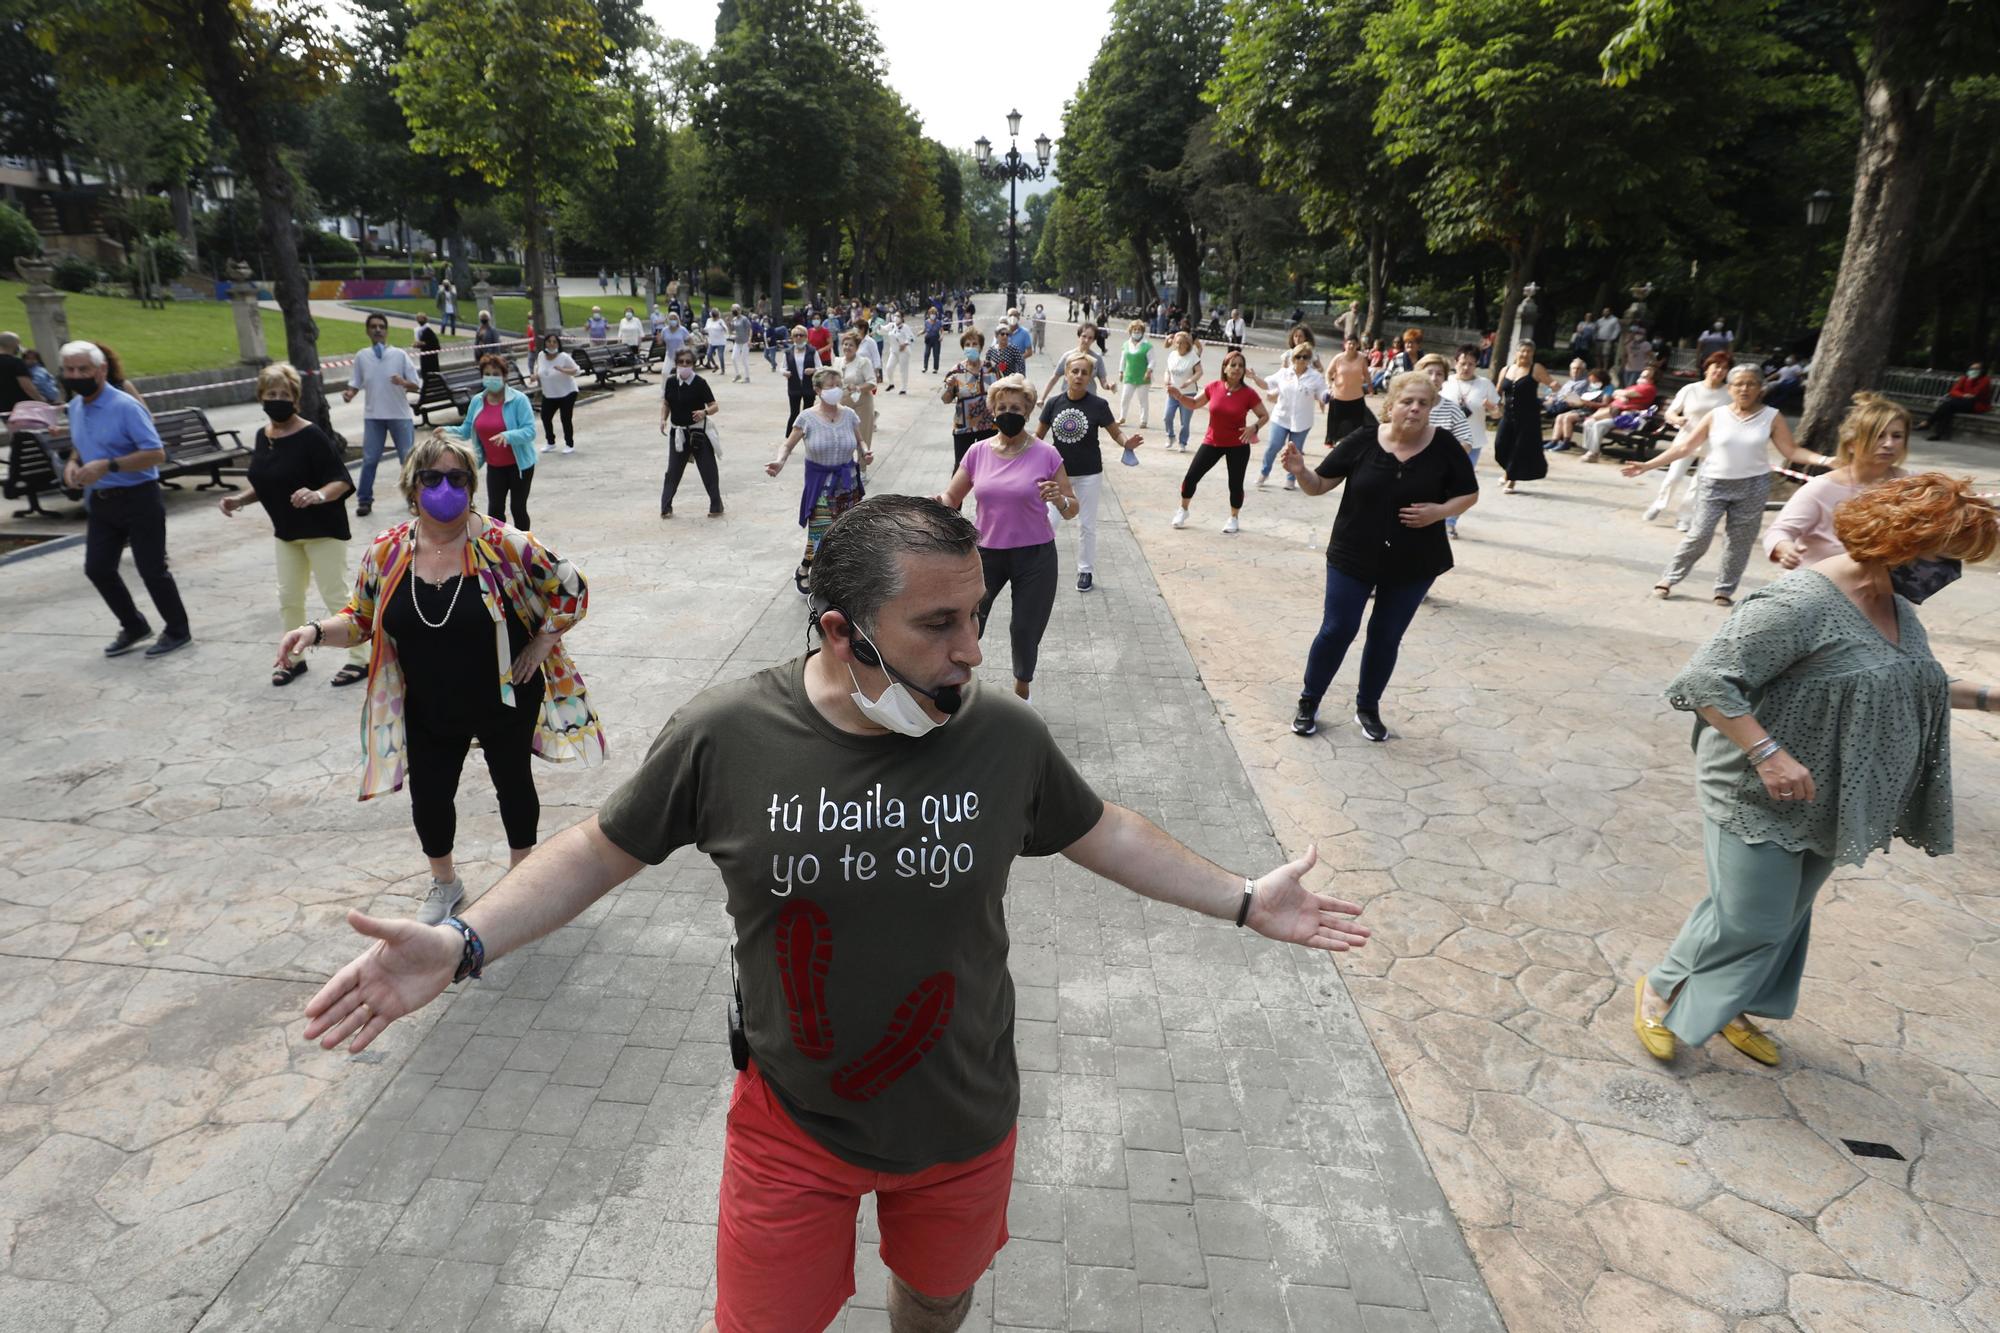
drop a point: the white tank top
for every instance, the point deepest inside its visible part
(1738, 449)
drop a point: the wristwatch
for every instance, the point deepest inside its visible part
(112, 463)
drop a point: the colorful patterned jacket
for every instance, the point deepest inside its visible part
(546, 591)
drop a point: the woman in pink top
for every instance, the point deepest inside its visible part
(1874, 442)
(1016, 480)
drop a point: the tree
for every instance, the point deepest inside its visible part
(616, 209)
(1127, 129)
(1897, 57)
(786, 85)
(143, 135)
(31, 112)
(256, 63)
(528, 112)
(1237, 213)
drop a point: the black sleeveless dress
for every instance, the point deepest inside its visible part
(1518, 443)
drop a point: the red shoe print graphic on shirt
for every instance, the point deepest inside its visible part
(805, 956)
(917, 1025)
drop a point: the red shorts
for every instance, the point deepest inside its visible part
(784, 1248)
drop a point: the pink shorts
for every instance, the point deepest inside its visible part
(784, 1250)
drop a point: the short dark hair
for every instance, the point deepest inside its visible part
(376, 317)
(857, 568)
(1467, 349)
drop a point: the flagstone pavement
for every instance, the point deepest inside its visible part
(1218, 1133)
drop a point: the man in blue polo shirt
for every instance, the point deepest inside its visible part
(117, 462)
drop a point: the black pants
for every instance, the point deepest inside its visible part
(1206, 457)
(503, 480)
(135, 515)
(436, 756)
(1032, 571)
(565, 406)
(1346, 415)
(933, 356)
(1941, 415)
(800, 394)
(961, 441)
(703, 454)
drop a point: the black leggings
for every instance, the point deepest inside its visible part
(435, 755)
(1206, 457)
(502, 480)
(1032, 571)
(799, 395)
(704, 462)
(567, 407)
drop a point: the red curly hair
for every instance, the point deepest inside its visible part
(1911, 518)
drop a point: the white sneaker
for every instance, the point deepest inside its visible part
(569, 448)
(1180, 518)
(1263, 481)
(1291, 483)
(1232, 525)
(547, 449)
(441, 901)
(1652, 512)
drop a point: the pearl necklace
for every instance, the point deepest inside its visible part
(458, 586)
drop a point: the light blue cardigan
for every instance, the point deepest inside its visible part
(517, 412)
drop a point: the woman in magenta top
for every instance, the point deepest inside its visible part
(1230, 403)
(1016, 480)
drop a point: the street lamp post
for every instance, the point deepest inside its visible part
(222, 186)
(1013, 168)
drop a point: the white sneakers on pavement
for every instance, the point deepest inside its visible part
(1232, 525)
(441, 901)
(1180, 518)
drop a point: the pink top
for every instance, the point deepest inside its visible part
(489, 426)
(1807, 518)
(1008, 491)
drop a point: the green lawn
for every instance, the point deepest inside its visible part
(510, 311)
(187, 335)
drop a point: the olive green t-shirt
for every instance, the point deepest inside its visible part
(865, 875)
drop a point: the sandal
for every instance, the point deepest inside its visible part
(799, 578)
(349, 674)
(1663, 590)
(1724, 599)
(286, 675)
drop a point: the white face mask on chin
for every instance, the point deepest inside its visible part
(897, 710)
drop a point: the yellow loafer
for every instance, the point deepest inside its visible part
(1752, 1040)
(1655, 1036)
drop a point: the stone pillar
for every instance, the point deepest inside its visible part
(652, 292)
(550, 317)
(48, 326)
(249, 316)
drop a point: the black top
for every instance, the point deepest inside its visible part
(12, 371)
(427, 349)
(684, 400)
(279, 467)
(1073, 425)
(1369, 540)
(448, 671)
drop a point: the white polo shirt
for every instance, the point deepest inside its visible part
(380, 399)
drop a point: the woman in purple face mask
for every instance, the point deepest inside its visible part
(445, 598)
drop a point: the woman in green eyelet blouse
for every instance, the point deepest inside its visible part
(1822, 733)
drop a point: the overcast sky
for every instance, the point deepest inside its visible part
(943, 59)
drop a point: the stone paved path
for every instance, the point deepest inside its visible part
(1209, 1139)
(1528, 843)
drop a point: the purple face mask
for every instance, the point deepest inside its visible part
(444, 501)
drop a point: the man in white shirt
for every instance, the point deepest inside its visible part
(899, 337)
(871, 351)
(1609, 327)
(384, 376)
(1475, 396)
(1233, 330)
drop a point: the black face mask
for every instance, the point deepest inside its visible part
(280, 409)
(78, 388)
(1010, 423)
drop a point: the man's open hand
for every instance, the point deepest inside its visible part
(407, 967)
(1283, 908)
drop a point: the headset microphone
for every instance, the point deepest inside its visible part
(948, 698)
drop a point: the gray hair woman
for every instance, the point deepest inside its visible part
(835, 456)
(1822, 733)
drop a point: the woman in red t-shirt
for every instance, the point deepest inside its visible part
(1230, 402)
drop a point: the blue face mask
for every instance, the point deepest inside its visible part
(493, 383)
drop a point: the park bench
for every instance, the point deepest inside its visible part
(34, 467)
(603, 361)
(193, 447)
(455, 387)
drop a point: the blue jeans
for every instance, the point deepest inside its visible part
(374, 433)
(1276, 446)
(1187, 419)
(1346, 599)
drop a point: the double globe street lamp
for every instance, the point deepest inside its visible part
(1013, 168)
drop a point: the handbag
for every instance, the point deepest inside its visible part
(978, 415)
